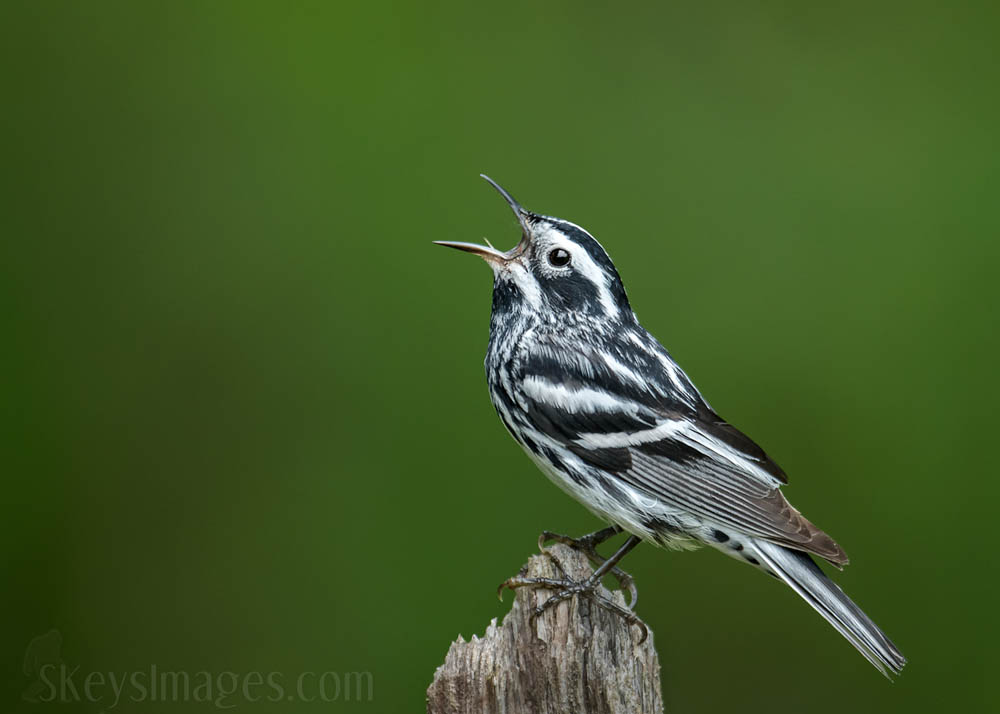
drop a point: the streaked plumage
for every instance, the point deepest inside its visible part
(606, 413)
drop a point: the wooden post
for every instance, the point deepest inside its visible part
(574, 658)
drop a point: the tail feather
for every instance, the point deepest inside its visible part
(805, 577)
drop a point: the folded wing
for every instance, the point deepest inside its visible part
(675, 450)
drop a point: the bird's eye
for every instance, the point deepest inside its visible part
(559, 257)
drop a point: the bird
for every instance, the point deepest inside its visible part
(605, 412)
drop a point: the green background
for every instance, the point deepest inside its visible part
(245, 423)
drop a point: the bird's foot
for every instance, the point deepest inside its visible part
(566, 588)
(588, 546)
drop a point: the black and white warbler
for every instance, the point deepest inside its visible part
(602, 409)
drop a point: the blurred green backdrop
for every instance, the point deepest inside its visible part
(245, 422)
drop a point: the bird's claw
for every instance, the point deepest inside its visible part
(588, 546)
(565, 589)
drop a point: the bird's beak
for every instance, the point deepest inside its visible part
(487, 252)
(490, 255)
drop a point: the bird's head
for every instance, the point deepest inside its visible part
(556, 267)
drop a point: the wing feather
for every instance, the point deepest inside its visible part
(675, 449)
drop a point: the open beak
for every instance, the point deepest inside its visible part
(488, 252)
(483, 251)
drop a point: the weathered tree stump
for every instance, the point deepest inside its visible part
(576, 657)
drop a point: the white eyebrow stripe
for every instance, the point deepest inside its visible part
(576, 401)
(585, 265)
(592, 272)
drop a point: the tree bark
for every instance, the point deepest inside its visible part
(575, 657)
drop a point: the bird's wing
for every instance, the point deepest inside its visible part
(626, 420)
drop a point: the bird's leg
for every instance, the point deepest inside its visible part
(566, 588)
(588, 545)
(585, 543)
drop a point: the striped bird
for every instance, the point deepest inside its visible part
(604, 411)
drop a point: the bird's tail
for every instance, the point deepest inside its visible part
(805, 577)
